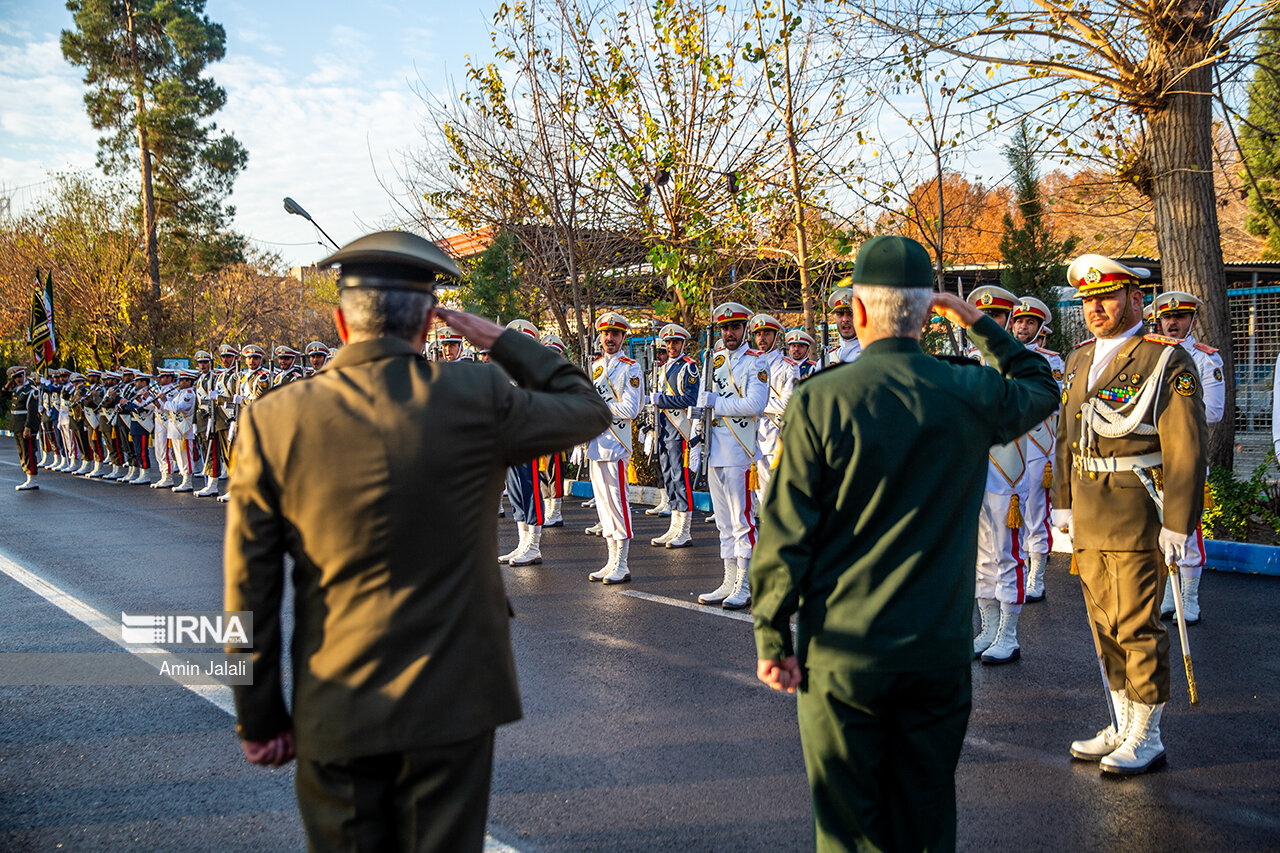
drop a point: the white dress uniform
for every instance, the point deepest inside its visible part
(844, 352)
(180, 410)
(783, 374)
(1001, 568)
(741, 392)
(160, 433)
(1037, 531)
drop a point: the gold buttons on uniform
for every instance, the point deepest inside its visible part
(1093, 475)
(1075, 445)
(1077, 416)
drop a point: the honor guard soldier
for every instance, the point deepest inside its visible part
(317, 355)
(1001, 582)
(206, 424)
(20, 395)
(524, 481)
(1029, 319)
(1175, 312)
(114, 435)
(848, 349)
(287, 364)
(179, 410)
(254, 379)
(738, 398)
(79, 434)
(618, 381)
(166, 379)
(799, 345)
(450, 344)
(226, 408)
(141, 425)
(783, 373)
(553, 465)
(92, 415)
(675, 391)
(649, 428)
(129, 391)
(1132, 415)
(858, 543)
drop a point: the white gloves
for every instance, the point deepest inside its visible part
(238, 398)
(653, 398)
(707, 399)
(648, 444)
(1060, 518)
(575, 458)
(1173, 546)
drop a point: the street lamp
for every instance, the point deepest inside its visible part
(291, 206)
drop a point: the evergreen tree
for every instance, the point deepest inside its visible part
(144, 63)
(1034, 260)
(1260, 139)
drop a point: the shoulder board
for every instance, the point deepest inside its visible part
(625, 360)
(1044, 351)
(1161, 339)
(788, 360)
(689, 359)
(597, 358)
(1083, 343)
(1205, 348)
(754, 352)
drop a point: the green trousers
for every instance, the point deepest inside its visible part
(1122, 592)
(881, 749)
(432, 799)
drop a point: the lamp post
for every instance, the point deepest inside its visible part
(291, 206)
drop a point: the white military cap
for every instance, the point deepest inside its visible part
(166, 371)
(317, 346)
(730, 312)
(111, 374)
(16, 369)
(993, 297)
(1029, 306)
(286, 351)
(612, 321)
(764, 321)
(841, 299)
(253, 349)
(1094, 275)
(552, 341)
(524, 327)
(674, 330)
(187, 373)
(1175, 302)
(800, 336)
(449, 335)
(227, 349)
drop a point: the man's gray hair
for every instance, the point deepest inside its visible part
(374, 313)
(895, 311)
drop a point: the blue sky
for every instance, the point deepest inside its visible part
(320, 93)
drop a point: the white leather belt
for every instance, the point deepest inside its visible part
(1118, 464)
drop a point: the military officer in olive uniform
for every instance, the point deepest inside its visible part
(1175, 312)
(20, 397)
(859, 539)
(1131, 430)
(402, 661)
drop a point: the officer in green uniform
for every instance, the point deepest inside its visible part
(402, 662)
(869, 534)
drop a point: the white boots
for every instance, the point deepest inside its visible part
(186, 484)
(740, 597)
(720, 593)
(165, 482)
(989, 612)
(27, 486)
(681, 539)
(142, 479)
(616, 569)
(531, 553)
(1130, 747)
(85, 467)
(520, 543)
(663, 507)
(672, 529)
(96, 472)
(210, 488)
(1004, 648)
(595, 529)
(115, 473)
(1190, 599)
(1106, 741)
(552, 513)
(1036, 564)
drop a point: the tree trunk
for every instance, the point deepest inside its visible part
(802, 238)
(1179, 150)
(148, 196)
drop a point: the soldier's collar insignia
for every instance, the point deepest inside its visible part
(1185, 383)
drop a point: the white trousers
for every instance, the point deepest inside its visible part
(1000, 564)
(160, 443)
(183, 450)
(609, 487)
(731, 502)
(1037, 535)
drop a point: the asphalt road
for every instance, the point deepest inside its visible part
(644, 726)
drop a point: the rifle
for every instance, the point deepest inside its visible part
(708, 384)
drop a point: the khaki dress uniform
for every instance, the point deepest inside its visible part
(1138, 425)
(869, 537)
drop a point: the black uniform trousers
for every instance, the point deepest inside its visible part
(430, 799)
(881, 749)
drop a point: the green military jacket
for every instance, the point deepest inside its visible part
(1113, 511)
(379, 476)
(869, 529)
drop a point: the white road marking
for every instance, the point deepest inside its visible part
(217, 695)
(689, 605)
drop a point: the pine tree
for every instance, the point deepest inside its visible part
(143, 64)
(1260, 139)
(1034, 260)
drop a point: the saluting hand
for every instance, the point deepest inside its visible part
(780, 674)
(479, 331)
(955, 309)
